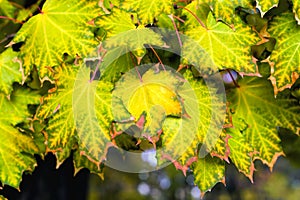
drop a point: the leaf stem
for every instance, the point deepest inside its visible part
(97, 67)
(157, 56)
(11, 19)
(179, 19)
(176, 30)
(135, 66)
(194, 15)
(232, 78)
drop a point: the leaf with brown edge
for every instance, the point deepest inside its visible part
(61, 27)
(147, 10)
(235, 44)
(205, 109)
(17, 148)
(208, 172)
(254, 104)
(241, 152)
(225, 10)
(151, 94)
(286, 53)
(81, 162)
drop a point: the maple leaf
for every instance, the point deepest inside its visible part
(286, 52)
(116, 62)
(152, 95)
(59, 108)
(60, 28)
(81, 161)
(208, 171)
(200, 9)
(10, 71)
(134, 40)
(254, 104)
(116, 22)
(235, 45)
(17, 149)
(241, 153)
(225, 10)
(206, 114)
(93, 115)
(149, 9)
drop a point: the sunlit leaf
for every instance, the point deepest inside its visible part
(208, 171)
(92, 112)
(206, 114)
(16, 149)
(254, 104)
(82, 162)
(149, 9)
(116, 22)
(225, 46)
(225, 10)
(286, 54)
(141, 96)
(60, 28)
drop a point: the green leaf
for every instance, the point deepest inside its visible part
(240, 152)
(16, 149)
(116, 22)
(134, 40)
(254, 104)
(147, 10)
(89, 102)
(10, 70)
(225, 10)
(208, 171)
(57, 107)
(235, 45)
(81, 161)
(115, 63)
(204, 123)
(7, 9)
(60, 28)
(200, 9)
(93, 115)
(286, 52)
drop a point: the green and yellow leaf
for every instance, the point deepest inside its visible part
(147, 10)
(10, 71)
(254, 103)
(61, 27)
(225, 10)
(17, 149)
(225, 46)
(208, 172)
(287, 50)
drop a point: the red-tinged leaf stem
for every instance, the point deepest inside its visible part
(176, 30)
(194, 15)
(11, 19)
(157, 56)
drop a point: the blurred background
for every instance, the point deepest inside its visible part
(49, 183)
